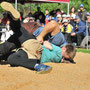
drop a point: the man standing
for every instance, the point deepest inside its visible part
(82, 13)
(39, 16)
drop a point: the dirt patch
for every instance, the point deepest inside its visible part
(62, 77)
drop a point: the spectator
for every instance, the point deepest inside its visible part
(79, 30)
(59, 18)
(46, 13)
(39, 16)
(46, 16)
(51, 16)
(82, 13)
(86, 40)
(58, 11)
(64, 16)
(21, 16)
(66, 30)
(6, 32)
(73, 12)
(68, 17)
(5, 18)
(59, 21)
(88, 23)
(72, 21)
(1, 24)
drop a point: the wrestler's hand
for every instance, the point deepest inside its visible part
(40, 39)
(47, 45)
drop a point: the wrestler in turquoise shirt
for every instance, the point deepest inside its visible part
(54, 55)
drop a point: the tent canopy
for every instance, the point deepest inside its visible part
(26, 1)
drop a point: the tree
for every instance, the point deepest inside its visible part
(87, 5)
(25, 8)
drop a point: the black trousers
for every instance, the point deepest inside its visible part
(78, 38)
(15, 41)
(67, 37)
(20, 58)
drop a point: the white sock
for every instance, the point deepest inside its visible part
(35, 66)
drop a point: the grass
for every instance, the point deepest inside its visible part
(83, 50)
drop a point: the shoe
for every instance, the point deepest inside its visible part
(41, 69)
(9, 7)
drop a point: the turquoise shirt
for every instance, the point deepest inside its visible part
(54, 55)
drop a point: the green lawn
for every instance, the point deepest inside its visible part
(83, 50)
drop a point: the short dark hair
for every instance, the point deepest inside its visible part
(71, 51)
(74, 9)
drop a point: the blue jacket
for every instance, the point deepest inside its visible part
(54, 55)
(81, 28)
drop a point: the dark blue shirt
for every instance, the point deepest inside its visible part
(81, 27)
(57, 39)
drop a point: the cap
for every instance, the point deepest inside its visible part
(76, 17)
(64, 15)
(81, 5)
(58, 15)
(65, 21)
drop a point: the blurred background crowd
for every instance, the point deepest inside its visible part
(75, 25)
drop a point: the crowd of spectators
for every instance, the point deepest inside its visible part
(5, 30)
(74, 25)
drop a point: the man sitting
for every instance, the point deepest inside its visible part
(79, 31)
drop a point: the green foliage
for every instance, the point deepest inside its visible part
(53, 6)
(62, 6)
(26, 8)
(75, 3)
(83, 50)
(50, 7)
(1, 9)
(87, 5)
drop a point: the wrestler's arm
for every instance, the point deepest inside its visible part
(50, 27)
(47, 45)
